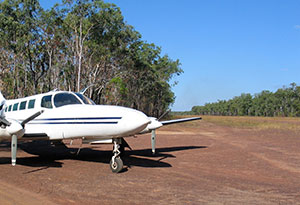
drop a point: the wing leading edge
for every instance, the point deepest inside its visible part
(168, 122)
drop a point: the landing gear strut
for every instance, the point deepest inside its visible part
(116, 163)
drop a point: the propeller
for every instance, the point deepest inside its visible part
(155, 124)
(153, 141)
(4, 122)
(15, 130)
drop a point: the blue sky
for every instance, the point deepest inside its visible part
(226, 47)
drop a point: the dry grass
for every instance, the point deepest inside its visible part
(281, 123)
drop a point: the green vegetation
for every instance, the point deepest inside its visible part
(77, 44)
(284, 102)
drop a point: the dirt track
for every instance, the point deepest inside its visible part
(197, 163)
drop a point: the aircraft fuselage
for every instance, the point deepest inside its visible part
(69, 115)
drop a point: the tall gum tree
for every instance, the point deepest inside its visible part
(79, 43)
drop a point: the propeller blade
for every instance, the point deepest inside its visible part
(3, 121)
(32, 117)
(153, 140)
(13, 150)
(167, 112)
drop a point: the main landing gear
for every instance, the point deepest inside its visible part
(116, 163)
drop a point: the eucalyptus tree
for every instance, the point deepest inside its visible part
(149, 78)
(79, 43)
(284, 102)
(20, 37)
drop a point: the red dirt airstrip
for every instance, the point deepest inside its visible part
(196, 163)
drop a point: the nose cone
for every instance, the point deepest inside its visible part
(134, 121)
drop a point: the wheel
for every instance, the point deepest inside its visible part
(117, 166)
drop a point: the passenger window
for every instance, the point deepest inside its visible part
(46, 101)
(15, 107)
(6, 109)
(9, 108)
(31, 104)
(23, 105)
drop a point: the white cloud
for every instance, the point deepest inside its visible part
(285, 69)
(297, 27)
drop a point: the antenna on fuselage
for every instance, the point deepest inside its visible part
(83, 90)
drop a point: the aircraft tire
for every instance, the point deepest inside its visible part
(117, 166)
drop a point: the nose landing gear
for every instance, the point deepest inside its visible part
(116, 163)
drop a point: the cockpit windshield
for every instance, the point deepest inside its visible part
(61, 99)
(85, 100)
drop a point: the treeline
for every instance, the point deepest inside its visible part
(283, 102)
(77, 44)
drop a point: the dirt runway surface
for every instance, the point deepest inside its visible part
(196, 163)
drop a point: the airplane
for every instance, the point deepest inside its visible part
(59, 115)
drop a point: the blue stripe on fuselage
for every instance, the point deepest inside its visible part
(59, 123)
(82, 120)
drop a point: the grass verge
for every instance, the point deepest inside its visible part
(280, 123)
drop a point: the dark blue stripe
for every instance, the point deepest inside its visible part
(83, 118)
(58, 123)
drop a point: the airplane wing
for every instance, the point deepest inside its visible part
(168, 122)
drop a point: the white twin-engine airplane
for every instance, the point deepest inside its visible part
(59, 115)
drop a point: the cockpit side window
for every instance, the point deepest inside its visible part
(46, 101)
(62, 99)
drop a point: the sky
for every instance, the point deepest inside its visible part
(225, 47)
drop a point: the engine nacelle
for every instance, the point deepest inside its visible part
(154, 124)
(15, 128)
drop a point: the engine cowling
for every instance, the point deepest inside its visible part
(15, 128)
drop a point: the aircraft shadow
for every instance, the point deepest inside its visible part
(49, 154)
(160, 153)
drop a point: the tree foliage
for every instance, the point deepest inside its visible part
(77, 44)
(284, 102)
